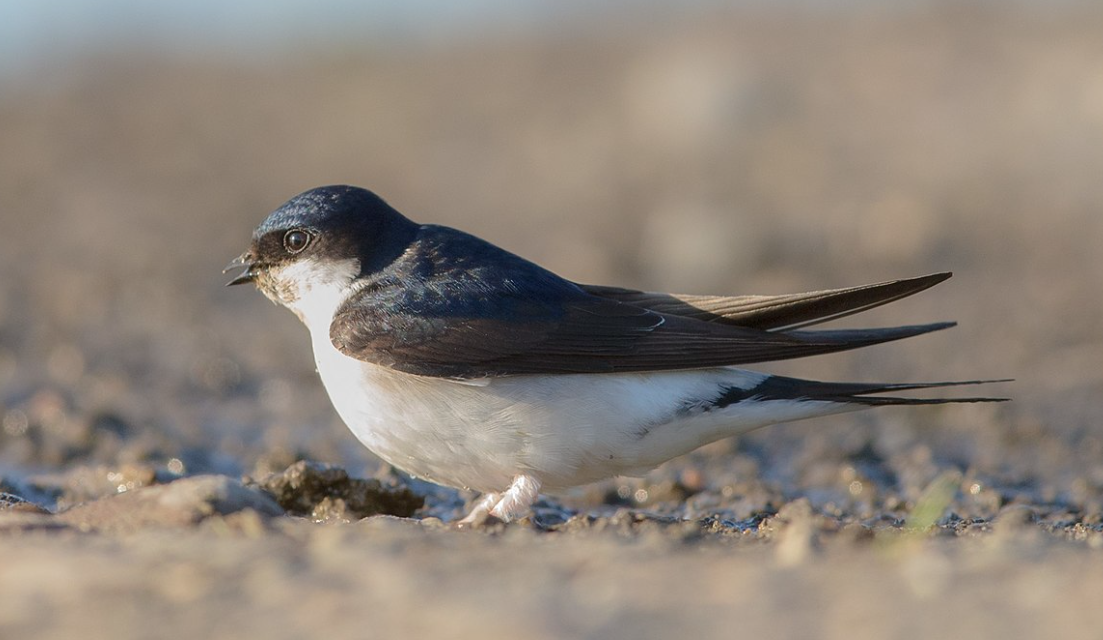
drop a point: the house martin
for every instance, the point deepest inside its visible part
(466, 365)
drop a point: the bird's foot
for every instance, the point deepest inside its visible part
(506, 506)
(481, 513)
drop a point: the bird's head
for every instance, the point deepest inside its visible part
(307, 253)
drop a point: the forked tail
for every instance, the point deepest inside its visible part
(783, 388)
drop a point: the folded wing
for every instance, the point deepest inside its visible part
(543, 326)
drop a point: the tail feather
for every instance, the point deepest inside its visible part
(866, 394)
(857, 393)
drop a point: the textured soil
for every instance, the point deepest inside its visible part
(171, 466)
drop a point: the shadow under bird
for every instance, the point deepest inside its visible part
(466, 365)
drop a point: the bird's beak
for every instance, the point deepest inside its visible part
(244, 261)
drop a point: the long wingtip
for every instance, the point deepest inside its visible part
(840, 303)
(778, 313)
(854, 338)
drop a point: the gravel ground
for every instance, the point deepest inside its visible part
(153, 423)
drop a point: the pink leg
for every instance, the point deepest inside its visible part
(517, 499)
(505, 506)
(481, 511)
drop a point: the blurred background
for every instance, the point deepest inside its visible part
(711, 147)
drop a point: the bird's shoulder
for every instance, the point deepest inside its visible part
(455, 305)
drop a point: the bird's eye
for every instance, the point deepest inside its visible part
(295, 240)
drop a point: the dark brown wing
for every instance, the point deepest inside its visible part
(472, 332)
(774, 313)
(453, 305)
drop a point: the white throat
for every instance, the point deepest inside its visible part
(314, 290)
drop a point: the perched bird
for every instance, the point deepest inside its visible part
(466, 365)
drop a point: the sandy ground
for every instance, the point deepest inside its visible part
(743, 153)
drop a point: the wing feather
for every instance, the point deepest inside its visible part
(456, 306)
(774, 313)
(585, 335)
